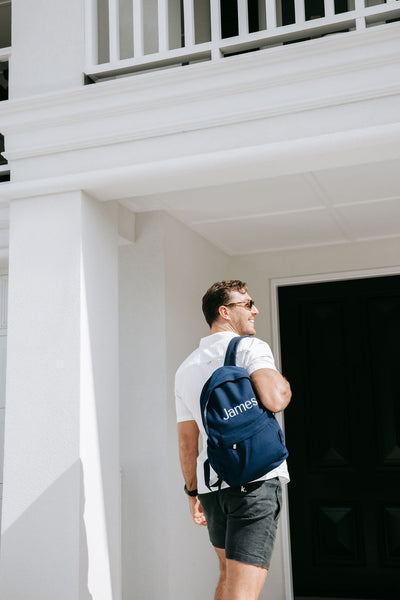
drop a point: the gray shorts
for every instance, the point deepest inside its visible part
(244, 520)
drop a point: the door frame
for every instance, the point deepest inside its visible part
(275, 284)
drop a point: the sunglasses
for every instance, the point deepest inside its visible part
(248, 305)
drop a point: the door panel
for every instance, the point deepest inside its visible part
(340, 352)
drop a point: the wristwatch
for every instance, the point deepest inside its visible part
(190, 492)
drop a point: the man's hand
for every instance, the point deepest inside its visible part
(197, 511)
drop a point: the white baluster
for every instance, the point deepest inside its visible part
(138, 40)
(188, 16)
(299, 10)
(91, 29)
(163, 29)
(113, 25)
(243, 18)
(329, 8)
(215, 28)
(360, 18)
(270, 9)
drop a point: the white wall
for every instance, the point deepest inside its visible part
(162, 279)
(143, 412)
(192, 265)
(3, 348)
(48, 46)
(261, 268)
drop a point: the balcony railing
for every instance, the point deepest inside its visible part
(5, 54)
(125, 36)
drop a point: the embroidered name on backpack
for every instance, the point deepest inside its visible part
(240, 408)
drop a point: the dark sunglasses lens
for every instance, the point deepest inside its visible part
(250, 304)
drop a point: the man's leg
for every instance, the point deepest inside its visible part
(243, 582)
(220, 591)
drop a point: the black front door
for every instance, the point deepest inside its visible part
(340, 352)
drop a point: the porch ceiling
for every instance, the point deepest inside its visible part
(332, 206)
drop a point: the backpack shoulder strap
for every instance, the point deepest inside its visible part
(230, 356)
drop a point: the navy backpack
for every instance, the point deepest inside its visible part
(245, 440)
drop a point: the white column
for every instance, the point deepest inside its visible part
(61, 501)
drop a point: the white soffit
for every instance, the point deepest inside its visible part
(331, 206)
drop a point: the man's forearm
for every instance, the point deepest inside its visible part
(188, 434)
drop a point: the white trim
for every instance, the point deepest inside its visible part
(195, 124)
(191, 172)
(3, 303)
(280, 67)
(276, 349)
(75, 116)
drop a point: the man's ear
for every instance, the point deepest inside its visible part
(224, 313)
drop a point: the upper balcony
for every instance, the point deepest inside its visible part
(127, 36)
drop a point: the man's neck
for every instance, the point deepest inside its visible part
(218, 327)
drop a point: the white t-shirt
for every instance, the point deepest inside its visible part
(252, 354)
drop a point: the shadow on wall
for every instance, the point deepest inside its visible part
(48, 533)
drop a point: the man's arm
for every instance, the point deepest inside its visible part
(273, 390)
(188, 436)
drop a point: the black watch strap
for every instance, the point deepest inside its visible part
(190, 492)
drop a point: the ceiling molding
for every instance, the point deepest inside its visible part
(196, 124)
(344, 148)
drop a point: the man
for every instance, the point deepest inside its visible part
(241, 521)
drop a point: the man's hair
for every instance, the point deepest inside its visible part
(219, 295)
